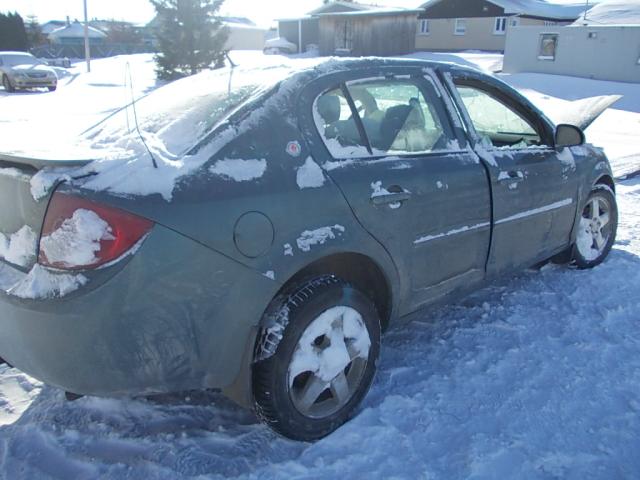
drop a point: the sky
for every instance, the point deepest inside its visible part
(262, 12)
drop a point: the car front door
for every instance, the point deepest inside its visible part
(387, 141)
(534, 186)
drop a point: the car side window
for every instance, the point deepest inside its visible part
(337, 126)
(397, 117)
(496, 122)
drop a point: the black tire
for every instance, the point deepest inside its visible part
(6, 83)
(582, 258)
(292, 315)
(52, 89)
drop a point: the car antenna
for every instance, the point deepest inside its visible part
(135, 114)
(233, 66)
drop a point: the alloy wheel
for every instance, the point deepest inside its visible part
(329, 362)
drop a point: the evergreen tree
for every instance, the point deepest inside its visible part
(34, 32)
(13, 35)
(190, 36)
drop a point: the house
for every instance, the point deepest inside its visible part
(244, 34)
(610, 34)
(305, 31)
(450, 25)
(52, 25)
(380, 32)
(73, 34)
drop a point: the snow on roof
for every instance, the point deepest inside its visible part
(613, 12)
(76, 30)
(534, 8)
(354, 6)
(373, 11)
(9, 53)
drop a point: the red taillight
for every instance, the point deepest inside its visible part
(80, 234)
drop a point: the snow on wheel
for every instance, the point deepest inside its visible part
(597, 228)
(328, 338)
(329, 362)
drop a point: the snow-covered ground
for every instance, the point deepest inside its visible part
(537, 376)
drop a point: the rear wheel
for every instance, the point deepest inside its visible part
(597, 228)
(6, 83)
(310, 383)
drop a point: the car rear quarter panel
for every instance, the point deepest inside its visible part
(171, 318)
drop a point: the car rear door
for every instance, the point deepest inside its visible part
(385, 137)
(534, 186)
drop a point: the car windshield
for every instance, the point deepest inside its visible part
(175, 117)
(13, 60)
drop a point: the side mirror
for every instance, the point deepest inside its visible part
(568, 136)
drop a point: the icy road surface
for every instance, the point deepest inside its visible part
(537, 376)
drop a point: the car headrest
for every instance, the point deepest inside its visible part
(329, 108)
(392, 123)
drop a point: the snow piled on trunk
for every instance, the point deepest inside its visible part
(20, 247)
(41, 283)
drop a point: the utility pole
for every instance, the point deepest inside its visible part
(87, 48)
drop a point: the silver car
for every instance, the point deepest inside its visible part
(23, 70)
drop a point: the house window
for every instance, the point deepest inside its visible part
(514, 21)
(424, 27)
(460, 26)
(548, 46)
(500, 26)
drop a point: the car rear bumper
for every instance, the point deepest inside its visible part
(175, 317)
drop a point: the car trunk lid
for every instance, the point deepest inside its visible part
(21, 214)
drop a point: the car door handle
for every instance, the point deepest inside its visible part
(511, 176)
(391, 197)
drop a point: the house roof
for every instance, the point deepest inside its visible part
(373, 12)
(533, 8)
(76, 30)
(612, 12)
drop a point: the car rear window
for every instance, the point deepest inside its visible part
(175, 117)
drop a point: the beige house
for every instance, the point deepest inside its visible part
(450, 25)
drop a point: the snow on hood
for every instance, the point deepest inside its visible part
(32, 68)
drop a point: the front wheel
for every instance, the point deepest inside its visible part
(316, 362)
(6, 83)
(52, 89)
(597, 228)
